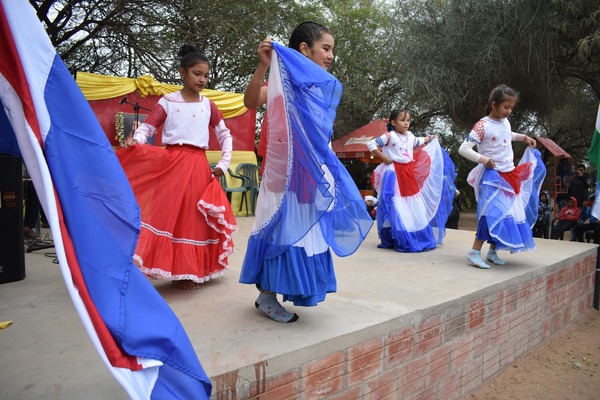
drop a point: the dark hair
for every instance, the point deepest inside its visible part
(580, 166)
(189, 55)
(500, 94)
(307, 32)
(393, 115)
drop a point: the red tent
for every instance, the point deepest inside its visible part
(354, 144)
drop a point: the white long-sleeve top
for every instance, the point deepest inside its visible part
(397, 147)
(187, 122)
(493, 139)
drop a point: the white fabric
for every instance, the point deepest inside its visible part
(493, 140)
(396, 146)
(189, 126)
(418, 210)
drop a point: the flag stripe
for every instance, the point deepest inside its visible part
(10, 65)
(93, 214)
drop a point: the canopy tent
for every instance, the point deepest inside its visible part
(354, 144)
(105, 95)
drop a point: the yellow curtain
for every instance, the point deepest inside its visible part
(100, 87)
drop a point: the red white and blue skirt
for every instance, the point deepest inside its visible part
(187, 221)
(415, 199)
(507, 203)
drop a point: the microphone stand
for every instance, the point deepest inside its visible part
(136, 109)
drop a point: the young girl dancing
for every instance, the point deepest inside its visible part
(507, 196)
(308, 203)
(187, 221)
(415, 187)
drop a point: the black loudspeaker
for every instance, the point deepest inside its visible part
(12, 246)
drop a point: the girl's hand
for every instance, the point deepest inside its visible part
(264, 52)
(530, 141)
(217, 172)
(130, 142)
(491, 164)
(386, 161)
(430, 137)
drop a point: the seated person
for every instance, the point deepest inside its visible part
(588, 222)
(566, 220)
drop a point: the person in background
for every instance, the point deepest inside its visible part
(567, 219)
(454, 216)
(587, 222)
(371, 203)
(501, 201)
(541, 229)
(186, 219)
(579, 185)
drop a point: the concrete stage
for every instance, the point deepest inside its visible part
(401, 326)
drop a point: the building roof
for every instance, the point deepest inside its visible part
(552, 147)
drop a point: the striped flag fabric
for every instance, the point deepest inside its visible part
(93, 214)
(594, 157)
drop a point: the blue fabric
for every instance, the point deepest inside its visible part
(398, 236)
(496, 223)
(100, 218)
(318, 192)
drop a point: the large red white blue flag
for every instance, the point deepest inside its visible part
(93, 213)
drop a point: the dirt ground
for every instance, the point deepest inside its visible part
(565, 367)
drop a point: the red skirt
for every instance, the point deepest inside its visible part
(187, 221)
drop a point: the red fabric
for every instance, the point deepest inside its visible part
(187, 220)
(411, 176)
(157, 117)
(215, 114)
(517, 175)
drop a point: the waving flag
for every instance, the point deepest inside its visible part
(93, 214)
(594, 157)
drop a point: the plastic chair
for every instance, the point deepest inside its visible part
(251, 173)
(243, 188)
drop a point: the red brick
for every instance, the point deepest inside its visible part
(412, 387)
(289, 391)
(429, 393)
(389, 378)
(347, 394)
(475, 314)
(364, 367)
(428, 345)
(322, 363)
(430, 323)
(434, 375)
(400, 335)
(387, 392)
(398, 357)
(323, 377)
(282, 380)
(321, 388)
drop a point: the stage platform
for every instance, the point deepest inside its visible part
(401, 326)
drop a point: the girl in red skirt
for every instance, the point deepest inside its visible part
(186, 219)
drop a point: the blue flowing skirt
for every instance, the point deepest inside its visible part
(308, 204)
(505, 217)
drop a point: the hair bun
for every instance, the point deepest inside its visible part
(187, 49)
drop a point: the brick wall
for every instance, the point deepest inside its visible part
(453, 350)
